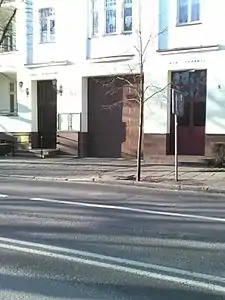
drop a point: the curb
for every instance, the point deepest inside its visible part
(129, 183)
(162, 187)
(49, 178)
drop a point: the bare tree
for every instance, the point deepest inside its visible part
(141, 92)
(7, 17)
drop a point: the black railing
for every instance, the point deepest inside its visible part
(70, 122)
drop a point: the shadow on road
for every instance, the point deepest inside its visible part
(20, 287)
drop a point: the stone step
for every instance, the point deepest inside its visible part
(44, 153)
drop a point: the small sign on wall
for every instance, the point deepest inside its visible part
(69, 121)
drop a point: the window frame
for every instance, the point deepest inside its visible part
(189, 21)
(94, 9)
(47, 19)
(8, 42)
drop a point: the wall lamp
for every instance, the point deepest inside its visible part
(26, 90)
(60, 90)
(20, 84)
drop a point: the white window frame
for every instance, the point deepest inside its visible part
(48, 19)
(189, 21)
(94, 11)
(127, 4)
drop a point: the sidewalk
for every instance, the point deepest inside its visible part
(115, 171)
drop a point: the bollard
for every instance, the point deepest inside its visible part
(41, 146)
(13, 148)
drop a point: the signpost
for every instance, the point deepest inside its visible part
(178, 111)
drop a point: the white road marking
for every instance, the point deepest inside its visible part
(101, 257)
(168, 278)
(3, 196)
(122, 208)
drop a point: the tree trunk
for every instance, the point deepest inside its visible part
(140, 137)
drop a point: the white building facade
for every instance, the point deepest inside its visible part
(53, 91)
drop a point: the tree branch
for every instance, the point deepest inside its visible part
(1, 2)
(117, 103)
(157, 92)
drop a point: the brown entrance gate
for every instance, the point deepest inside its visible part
(112, 119)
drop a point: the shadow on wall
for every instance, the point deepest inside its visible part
(23, 109)
(67, 143)
(5, 134)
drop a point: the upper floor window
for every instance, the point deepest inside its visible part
(95, 14)
(127, 16)
(188, 11)
(8, 42)
(110, 16)
(7, 28)
(47, 25)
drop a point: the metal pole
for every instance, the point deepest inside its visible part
(176, 147)
(13, 147)
(41, 146)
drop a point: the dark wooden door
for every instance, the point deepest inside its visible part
(191, 126)
(47, 114)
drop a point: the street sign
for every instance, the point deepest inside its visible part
(178, 111)
(180, 104)
(177, 103)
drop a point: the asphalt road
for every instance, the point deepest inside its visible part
(74, 241)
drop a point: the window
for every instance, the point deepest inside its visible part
(110, 16)
(94, 17)
(8, 41)
(188, 11)
(127, 16)
(12, 97)
(47, 25)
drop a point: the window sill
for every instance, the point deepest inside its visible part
(96, 36)
(46, 43)
(8, 52)
(127, 32)
(110, 34)
(188, 24)
(8, 114)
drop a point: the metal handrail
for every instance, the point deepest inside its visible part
(69, 121)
